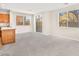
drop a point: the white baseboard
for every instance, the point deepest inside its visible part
(45, 34)
(65, 37)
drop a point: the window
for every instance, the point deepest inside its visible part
(23, 20)
(19, 20)
(26, 21)
(69, 19)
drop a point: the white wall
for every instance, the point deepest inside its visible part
(46, 28)
(46, 22)
(23, 29)
(66, 32)
(20, 29)
(51, 24)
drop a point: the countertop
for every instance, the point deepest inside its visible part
(4, 28)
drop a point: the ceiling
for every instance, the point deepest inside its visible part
(34, 7)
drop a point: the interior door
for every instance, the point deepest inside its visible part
(38, 25)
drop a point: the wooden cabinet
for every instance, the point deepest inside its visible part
(7, 36)
(0, 40)
(4, 18)
(0, 43)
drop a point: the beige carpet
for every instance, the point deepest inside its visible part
(36, 44)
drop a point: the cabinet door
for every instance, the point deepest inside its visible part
(8, 36)
(0, 43)
(4, 18)
(0, 40)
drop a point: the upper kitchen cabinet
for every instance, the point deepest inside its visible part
(4, 16)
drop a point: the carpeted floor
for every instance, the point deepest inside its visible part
(36, 44)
